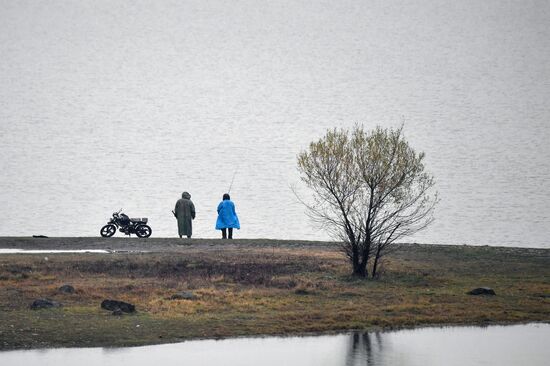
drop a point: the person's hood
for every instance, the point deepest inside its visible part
(186, 195)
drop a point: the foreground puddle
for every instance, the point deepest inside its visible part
(495, 345)
(53, 251)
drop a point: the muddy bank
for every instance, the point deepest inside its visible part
(124, 244)
(149, 244)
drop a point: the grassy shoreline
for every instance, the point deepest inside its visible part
(254, 288)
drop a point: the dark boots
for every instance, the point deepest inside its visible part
(224, 233)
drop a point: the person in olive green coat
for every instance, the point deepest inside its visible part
(185, 213)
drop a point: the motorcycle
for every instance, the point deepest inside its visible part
(126, 225)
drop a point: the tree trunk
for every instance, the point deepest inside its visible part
(355, 257)
(375, 263)
(360, 270)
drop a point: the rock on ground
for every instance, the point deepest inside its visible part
(44, 304)
(120, 305)
(482, 291)
(67, 289)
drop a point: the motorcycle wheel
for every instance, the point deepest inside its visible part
(143, 231)
(108, 230)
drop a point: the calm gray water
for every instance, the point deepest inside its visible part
(472, 346)
(107, 104)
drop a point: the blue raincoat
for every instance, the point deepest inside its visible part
(227, 217)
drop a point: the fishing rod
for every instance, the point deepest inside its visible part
(232, 180)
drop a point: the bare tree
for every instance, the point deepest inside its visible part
(369, 190)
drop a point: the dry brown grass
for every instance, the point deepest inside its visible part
(250, 290)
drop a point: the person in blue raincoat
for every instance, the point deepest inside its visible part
(227, 217)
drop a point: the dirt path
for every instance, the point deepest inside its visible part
(151, 244)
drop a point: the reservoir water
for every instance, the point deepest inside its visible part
(108, 104)
(472, 346)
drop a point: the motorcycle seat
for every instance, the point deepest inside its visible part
(140, 219)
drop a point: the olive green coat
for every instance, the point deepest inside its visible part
(185, 213)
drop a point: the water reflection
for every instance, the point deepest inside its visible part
(494, 345)
(364, 348)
